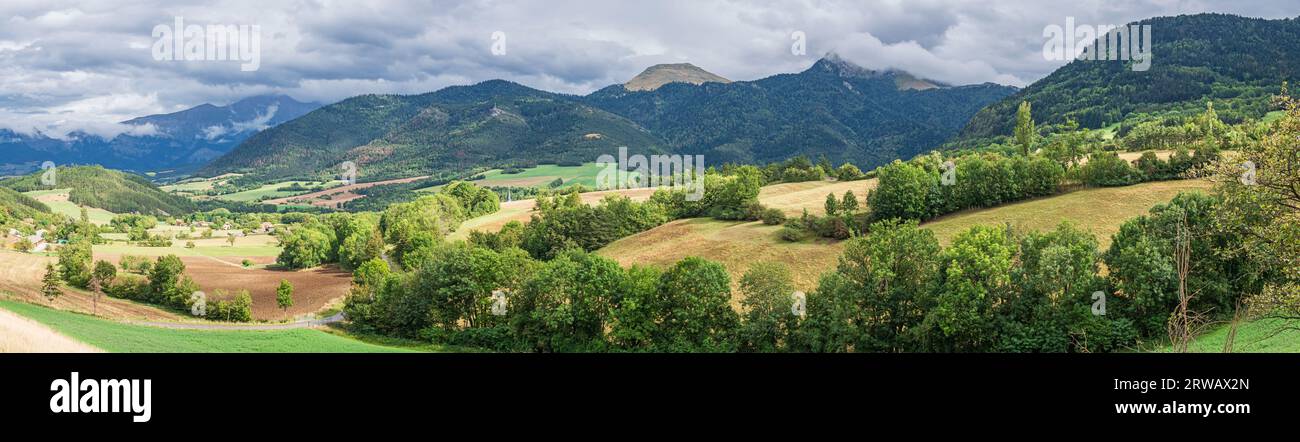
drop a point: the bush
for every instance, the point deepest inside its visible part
(1108, 169)
(792, 233)
(773, 216)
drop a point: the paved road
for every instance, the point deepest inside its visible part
(306, 323)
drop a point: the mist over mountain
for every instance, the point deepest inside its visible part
(185, 139)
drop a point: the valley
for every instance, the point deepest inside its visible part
(909, 214)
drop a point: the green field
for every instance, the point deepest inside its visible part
(70, 209)
(540, 176)
(124, 338)
(271, 191)
(1261, 336)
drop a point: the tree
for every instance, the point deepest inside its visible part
(101, 277)
(849, 172)
(284, 295)
(1025, 131)
(74, 263)
(768, 318)
(164, 277)
(305, 247)
(23, 245)
(878, 295)
(832, 205)
(566, 304)
(50, 283)
(694, 304)
(1260, 206)
(850, 203)
(976, 283)
(230, 239)
(902, 192)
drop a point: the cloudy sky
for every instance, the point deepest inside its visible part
(69, 65)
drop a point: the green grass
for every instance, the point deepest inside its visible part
(540, 176)
(272, 191)
(1260, 336)
(125, 338)
(70, 209)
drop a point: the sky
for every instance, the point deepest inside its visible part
(88, 65)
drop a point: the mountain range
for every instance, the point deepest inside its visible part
(834, 109)
(185, 139)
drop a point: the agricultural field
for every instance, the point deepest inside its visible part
(540, 176)
(336, 193)
(57, 200)
(195, 186)
(214, 265)
(273, 190)
(20, 279)
(118, 337)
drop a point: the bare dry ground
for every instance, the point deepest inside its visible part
(313, 288)
(20, 278)
(22, 335)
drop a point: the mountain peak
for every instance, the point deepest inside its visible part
(658, 75)
(834, 64)
(838, 66)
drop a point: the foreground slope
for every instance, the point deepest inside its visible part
(738, 245)
(125, 338)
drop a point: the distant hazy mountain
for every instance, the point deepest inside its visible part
(658, 75)
(188, 138)
(835, 108)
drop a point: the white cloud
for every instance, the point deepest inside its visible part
(68, 64)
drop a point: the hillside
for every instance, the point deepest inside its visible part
(184, 139)
(111, 190)
(738, 245)
(1236, 61)
(494, 123)
(16, 206)
(658, 75)
(835, 109)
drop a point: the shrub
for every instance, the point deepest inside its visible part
(792, 233)
(773, 216)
